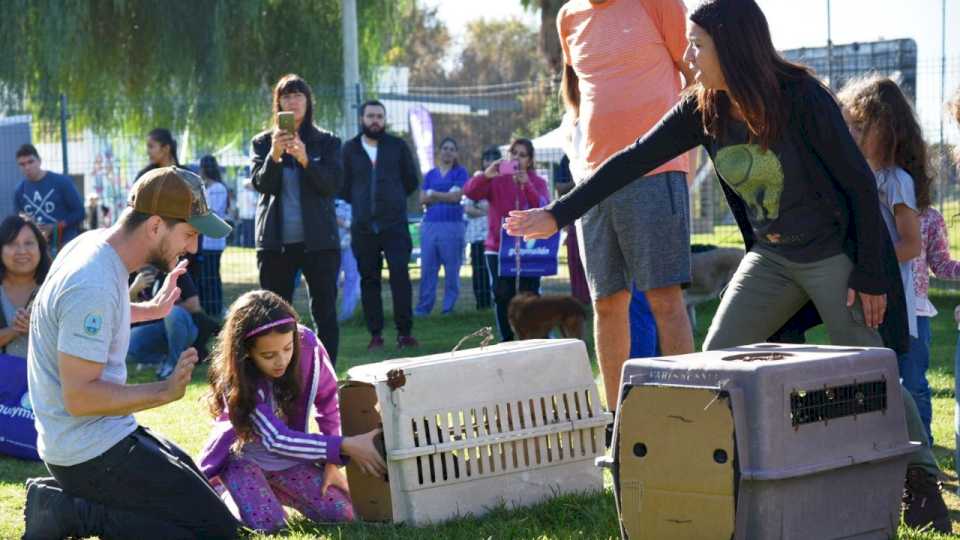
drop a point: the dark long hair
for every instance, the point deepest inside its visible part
(164, 138)
(233, 375)
(752, 67)
(209, 168)
(290, 84)
(876, 105)
(528, 144)
(10, 228)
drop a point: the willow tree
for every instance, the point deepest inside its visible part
(202, 65)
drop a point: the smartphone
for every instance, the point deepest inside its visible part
(508, 166)
(285, 121)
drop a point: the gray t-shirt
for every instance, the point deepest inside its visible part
(17, 347)
(292, 213)
(82, 309)
(896, 187)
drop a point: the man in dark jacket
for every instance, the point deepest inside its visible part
(379, 174)
(298, 175)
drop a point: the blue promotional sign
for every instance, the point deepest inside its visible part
(18, 436)
(538, 258)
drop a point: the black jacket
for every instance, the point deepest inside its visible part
(319, 183)
(378, 195)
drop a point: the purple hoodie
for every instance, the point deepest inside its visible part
(289, 439)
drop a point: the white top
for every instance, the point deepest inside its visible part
(217, 199)
(370, 149)
(896, 187)
(82, 309)
(247, 203)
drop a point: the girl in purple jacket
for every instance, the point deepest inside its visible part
(268, 374)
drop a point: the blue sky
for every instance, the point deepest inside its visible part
(798, 23)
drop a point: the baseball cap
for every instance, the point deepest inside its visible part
(176, 193)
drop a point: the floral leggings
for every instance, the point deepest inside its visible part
(261, 495)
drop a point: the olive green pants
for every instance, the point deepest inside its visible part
(767, 290)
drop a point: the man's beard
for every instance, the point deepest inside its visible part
(159, 259)
(375, 135)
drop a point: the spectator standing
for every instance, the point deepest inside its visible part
(161, 150)
(50, 199)
(246, 212)
(349, 277)
(476, 234)
(298, 175)
(521, 190)
(97, 214)
(641, 235)
(442, 230)
(379, 174)
(578, 279)
(211, 286)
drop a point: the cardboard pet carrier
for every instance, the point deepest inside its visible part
(761, 442)
(463, 432)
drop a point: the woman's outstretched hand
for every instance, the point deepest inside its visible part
(531, 224)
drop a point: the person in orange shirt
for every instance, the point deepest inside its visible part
(623, 65)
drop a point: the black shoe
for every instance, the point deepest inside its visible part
(923, 506)
(48, 513)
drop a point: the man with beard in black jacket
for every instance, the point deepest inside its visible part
(379, 174)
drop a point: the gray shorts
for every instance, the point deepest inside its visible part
(640, 234)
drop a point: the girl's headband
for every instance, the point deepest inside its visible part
(269, 325)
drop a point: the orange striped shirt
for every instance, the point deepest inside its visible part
(627, 70)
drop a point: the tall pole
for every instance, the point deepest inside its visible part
(63, 133)
(943, 75)
(829, 49)
(351, 67)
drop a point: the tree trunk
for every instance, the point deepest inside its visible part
(549, 40)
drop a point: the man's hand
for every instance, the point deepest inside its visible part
(177, 383)
(145, 279)
(160, 305)
(874, 306)
(333, 476)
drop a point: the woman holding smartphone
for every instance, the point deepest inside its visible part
(297, 171)
(507, 184)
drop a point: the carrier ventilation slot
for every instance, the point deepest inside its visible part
(811, 406)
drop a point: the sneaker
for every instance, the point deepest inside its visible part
(407, 342)
(47, 511)
(376, 343)
(923, 506)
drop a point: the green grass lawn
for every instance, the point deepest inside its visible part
(582, 516)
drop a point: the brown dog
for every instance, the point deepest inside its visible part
(532, 316)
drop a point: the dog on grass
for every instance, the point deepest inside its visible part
(533, 317)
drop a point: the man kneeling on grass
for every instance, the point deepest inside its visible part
(111, 477)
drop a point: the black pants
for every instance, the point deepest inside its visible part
(278, 272)
(148, 488)
(370, 249)
(481, 278)
(210, 285)
(504, 288)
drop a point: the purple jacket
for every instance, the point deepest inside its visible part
(289, 439)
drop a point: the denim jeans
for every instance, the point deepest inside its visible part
(162, 342)
(350, 284)
(913, 372)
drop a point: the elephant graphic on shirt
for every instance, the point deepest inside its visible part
(756, 175)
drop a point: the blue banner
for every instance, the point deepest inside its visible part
(18, 435)
(538, 258)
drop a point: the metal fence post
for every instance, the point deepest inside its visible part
(63, 133)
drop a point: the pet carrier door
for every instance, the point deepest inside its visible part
(676, 463)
